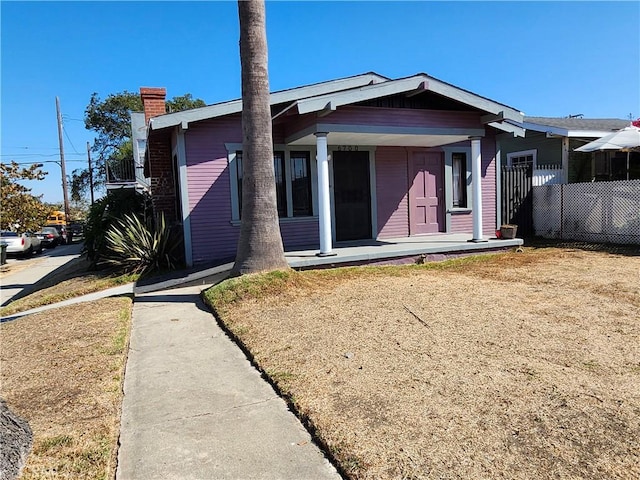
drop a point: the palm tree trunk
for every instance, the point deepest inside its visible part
(260, 243)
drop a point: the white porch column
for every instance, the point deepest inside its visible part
(476, 186)
(324, 206)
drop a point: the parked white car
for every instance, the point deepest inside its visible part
(21, 243)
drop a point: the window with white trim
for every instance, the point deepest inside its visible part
(301, 184)
(525, 157)
(293, 177)
(459, 179)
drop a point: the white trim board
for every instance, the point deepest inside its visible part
(327, 96)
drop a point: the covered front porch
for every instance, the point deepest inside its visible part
(401, 158)
(390, 251)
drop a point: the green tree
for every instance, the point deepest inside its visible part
(19, 209)
(184, 102)
(260, 243)
(111, 120)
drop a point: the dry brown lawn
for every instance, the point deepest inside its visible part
(62, 370)
(516, 366)
(73, 282)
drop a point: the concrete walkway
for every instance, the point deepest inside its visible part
(36, 269)
(195, 408)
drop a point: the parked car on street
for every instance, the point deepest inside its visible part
(49, 237)
(21, 243)
(76, 228)
(66, 236)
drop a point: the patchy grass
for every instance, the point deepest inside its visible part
(72, 285)
(62, 371)
(506, 366)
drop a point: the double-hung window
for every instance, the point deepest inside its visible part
(459, 179)
(301, 184)
(292, 172)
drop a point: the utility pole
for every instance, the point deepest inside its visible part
(62, 165)
(90, 171)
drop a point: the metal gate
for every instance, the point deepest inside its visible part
(517, 198)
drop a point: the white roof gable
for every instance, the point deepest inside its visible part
(283, 96)
(330, 95)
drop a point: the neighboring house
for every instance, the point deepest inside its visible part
(127, 174)
(549, 145)
(359, 158)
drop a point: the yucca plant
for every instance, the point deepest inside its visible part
(136, 247)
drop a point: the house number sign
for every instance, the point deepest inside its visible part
(347, 148)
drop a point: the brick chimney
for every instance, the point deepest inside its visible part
(153, 101)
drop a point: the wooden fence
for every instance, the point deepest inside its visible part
(516, 201)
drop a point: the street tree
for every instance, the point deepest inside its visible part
(111, 120)
(260, 243)
(19, 209)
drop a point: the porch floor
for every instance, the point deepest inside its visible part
(376, 252)
(398, 250)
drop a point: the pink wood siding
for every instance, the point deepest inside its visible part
(402, 117)
(300, 233)
(488, 149)
(213, 237)
(391, 192)
(463, 222)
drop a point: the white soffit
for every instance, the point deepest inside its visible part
(588, 133)
(563, 132)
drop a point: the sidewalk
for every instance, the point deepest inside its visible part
(20, 282)
(195, 408)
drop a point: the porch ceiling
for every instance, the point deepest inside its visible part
(383, 135)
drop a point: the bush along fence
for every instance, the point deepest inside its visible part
(603, 212)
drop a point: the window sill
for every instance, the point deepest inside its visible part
(236, 223)
(456, 211)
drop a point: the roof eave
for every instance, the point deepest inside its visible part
(406, 85)
(284, 96)
(564, 132)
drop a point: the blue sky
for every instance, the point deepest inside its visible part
(544, 58)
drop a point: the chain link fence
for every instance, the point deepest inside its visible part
(607, 212)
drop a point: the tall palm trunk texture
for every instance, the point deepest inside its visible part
(260, 243)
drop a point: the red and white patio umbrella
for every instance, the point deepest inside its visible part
(625, 140)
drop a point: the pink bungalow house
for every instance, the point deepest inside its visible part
(358, 158)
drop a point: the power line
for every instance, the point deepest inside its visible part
(36, 154)
(29, 148)
(72, 145)
(74, 119)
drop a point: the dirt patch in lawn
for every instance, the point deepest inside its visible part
(515, 366)
(62, 371)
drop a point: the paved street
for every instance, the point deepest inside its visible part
(20, 273)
